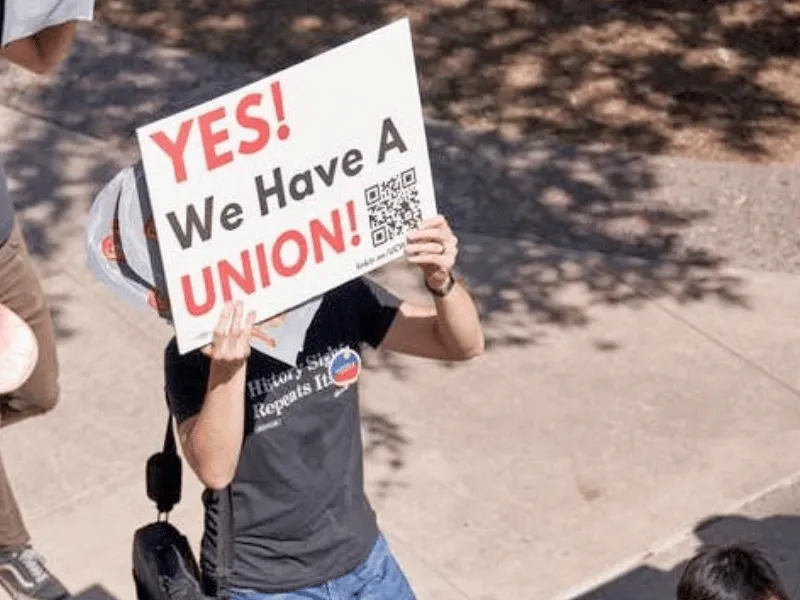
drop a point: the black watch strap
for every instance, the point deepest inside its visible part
(445, 289)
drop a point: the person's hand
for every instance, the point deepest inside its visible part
(434, 248)
(231, 342)
(261, 330)
(44, 51)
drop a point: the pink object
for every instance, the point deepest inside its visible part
(18, 351)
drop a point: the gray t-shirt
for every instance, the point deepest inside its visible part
(6, 209)
(300, 513)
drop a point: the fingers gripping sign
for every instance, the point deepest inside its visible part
(231, 340)
(434, 248)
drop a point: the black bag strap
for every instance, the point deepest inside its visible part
(170, 447)
(2, 20)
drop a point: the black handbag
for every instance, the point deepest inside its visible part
(164, 567)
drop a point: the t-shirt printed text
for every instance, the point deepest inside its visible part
(282, 390)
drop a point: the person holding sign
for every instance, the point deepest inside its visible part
(281, 440)
(36, 35)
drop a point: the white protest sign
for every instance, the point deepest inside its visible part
(23, 18)
(286, 188)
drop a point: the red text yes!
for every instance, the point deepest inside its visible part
(215, 127)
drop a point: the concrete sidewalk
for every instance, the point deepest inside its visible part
(620, 404)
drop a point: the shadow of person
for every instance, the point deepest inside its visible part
(642, 583)
(94, 592)
(777, 536)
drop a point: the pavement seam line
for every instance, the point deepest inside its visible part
(710, 337)
(86, 493)
(730, 350)
(683, 534)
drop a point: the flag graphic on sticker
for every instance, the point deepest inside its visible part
(345, 367)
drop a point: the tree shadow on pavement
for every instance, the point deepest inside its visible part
(777, 536)
(564, 216)
(384, 444)
(541, 197)
(539, 221)
(688, 76)
(50, 182)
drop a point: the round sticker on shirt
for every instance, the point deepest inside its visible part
(345, 367)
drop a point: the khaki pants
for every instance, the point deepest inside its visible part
(21, 292)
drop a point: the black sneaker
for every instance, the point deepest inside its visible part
(25, 577)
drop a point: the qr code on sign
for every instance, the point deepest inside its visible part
(393, 206)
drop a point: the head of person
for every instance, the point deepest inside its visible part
(732, 572)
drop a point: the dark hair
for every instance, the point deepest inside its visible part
(730, 573)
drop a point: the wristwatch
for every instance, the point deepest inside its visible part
(445, 289)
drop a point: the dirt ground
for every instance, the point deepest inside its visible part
(717, 79)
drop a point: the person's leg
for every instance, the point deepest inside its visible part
(21, 291)
(378, 578)
(12, 529)
(22, 570)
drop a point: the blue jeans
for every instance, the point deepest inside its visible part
(378, 578)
